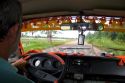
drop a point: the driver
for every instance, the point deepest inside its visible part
(10, 31)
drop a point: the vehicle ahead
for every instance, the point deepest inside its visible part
(75, 63)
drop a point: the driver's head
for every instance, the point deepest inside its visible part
(10, 26)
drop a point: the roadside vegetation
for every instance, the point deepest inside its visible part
(110, 42)
(41, 43)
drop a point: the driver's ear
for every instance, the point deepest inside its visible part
(12, 34)
(13, 31)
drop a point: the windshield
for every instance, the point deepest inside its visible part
(75, 34)
(95, 42)
(54, 41)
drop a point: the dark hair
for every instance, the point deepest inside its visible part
(10, 14)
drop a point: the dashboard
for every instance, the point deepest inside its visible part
(84, 68)
(94, 68)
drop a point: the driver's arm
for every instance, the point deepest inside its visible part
(20, 64)
(8, 74)
(21, 79)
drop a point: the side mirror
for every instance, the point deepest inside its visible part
(81, 39)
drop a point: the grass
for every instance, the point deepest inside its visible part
(40, 44)
(105, 43)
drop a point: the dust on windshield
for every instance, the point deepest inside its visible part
(95, 43)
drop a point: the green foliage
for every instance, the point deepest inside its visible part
(106, 40)
(39, 44)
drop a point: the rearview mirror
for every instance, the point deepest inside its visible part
(81, 39)
(83, 26)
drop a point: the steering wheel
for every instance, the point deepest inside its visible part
(47, 67)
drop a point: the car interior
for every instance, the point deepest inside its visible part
(68, 67)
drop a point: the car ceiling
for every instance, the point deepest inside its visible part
(44, 8)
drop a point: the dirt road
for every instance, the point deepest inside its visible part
(72, 46)
(96, 50)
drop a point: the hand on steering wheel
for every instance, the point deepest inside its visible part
(21, 63)
(45, 67)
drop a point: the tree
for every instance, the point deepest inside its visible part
(49, 34)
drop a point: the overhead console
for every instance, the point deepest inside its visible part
(94, 23)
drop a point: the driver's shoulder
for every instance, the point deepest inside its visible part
(12, 77)
(21, 79)
(8, 74)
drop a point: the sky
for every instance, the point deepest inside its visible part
(59, 33)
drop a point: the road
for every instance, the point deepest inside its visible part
(73, 47)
